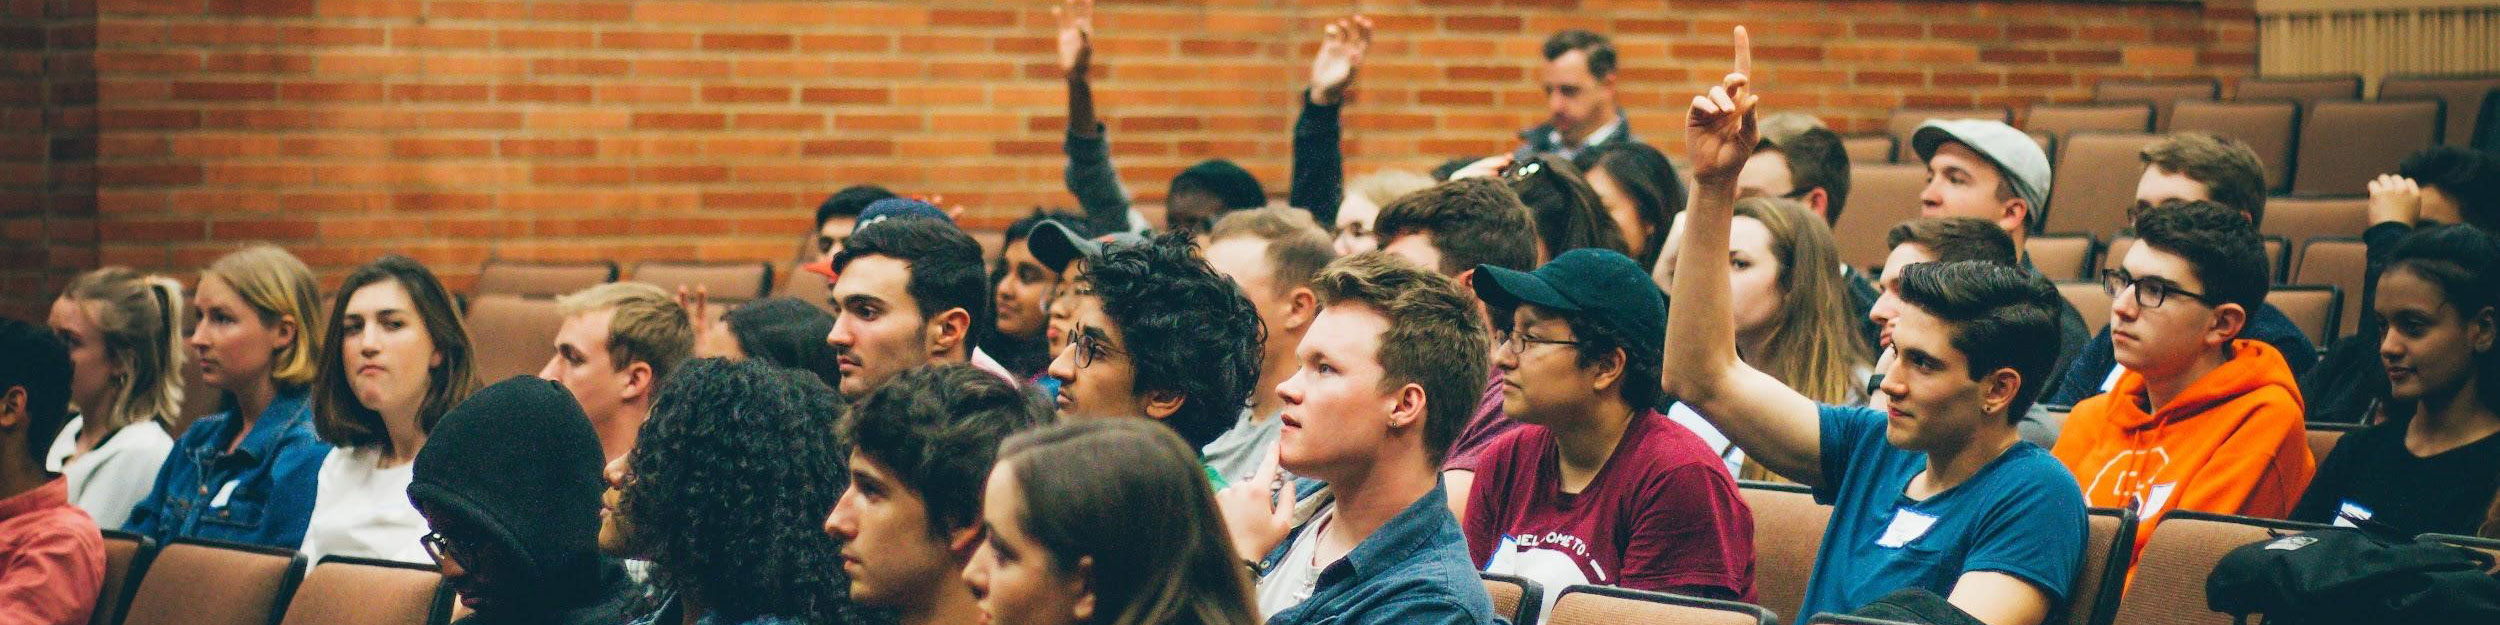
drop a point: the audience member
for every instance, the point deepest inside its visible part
(1941, 495)
(1568, 214)
(910, 295)
(2434, 466)
(1196, 196)
(2440, 185)
(1318, 183)
(1064, 542)
(2201, 419)
(397, 358)
(1160, 335)
(509, 487)
(911, 518)
(51, 553)
(723, 493)
(1063, 247)
(1641, 193)
(248, 473)
(618, 341)
(779, 331)
(1938, 240)
(1020, 289)
(1581, 112)
(1271, 254)
(1986, 169)
(840, 213)
(1392, 346)
(124, 335)
(1606, 491)
(1361, 207)
(1453, 228)
(1809, 165)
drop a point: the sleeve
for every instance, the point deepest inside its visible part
(1845, 431)
(1681, 536)
(2318, 504)
(52, 578)
(2258, 471)
(1318, 161)
(294, 486)
(1095, 183)
(2082, 376)
(120, 483)
(147, 517)
(1487, 497)
(2037, 535)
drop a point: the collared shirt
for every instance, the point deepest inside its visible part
(1546, 139)
(1413, 569)
(261, 494)
(51, 558)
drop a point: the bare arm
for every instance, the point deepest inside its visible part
(1999, 599)
(1774, 424)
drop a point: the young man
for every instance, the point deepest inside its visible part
(1271, 253)
(2188, 167)
(509, 482)
(910, 293)
(1196, 196)
(1809, 165)
(1579, 83)
(2202, 419)
(1159, 335)
(51, 554)
(1020, 291)
(617, 341)
(1606, 491)
(920, 447)
(839, 214)
(1937, 493)
(1369, 413)
(1989, 170)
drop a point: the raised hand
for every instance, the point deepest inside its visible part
(1720, 130)
(2396, 199)
(1340, 54)
(1076, 37)
(1258, 513)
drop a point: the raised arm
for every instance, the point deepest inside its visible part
(1090, 176)
(1318, 156)
(1774, 424)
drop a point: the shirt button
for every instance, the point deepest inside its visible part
(222, 514)
(203, 490)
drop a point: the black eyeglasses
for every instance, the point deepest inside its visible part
(2150, 292)
(439, 547)
(1517, 342)
(1086, 346)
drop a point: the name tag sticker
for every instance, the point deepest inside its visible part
(2351, 514)
(223, 493)
(1907, 525)
(2156, 499)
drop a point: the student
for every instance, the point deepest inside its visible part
(1271, 253)
(1641, 192)
(2202, 419)
(910, 519)
(509, 487)
(1938, 493)
(1569, 215)
(1938, 240)
(1364, 198)
(2439, 185)
(722, 495)
(1159, 335)
(1020, 288)
(1606, 491)
(1318, 183)
(2435, 467)
(1808, 164)
(839, 214)
(124, 335)
(1065, 542)
(617, 342)
(779, 331)
(1066, 247)
(1197, 195)
(1986, 169)
(51, 554)
(398, 359)
(248, 473)
(910, 294)
(1369, 413)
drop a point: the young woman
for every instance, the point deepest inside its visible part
(2434, 465)
(247, 473)
(398, 358)
(1363, 198)
(777, 330)
(1070, 545)
(1568, 213)
(1640, 191)
(725, 492)
(125, 341)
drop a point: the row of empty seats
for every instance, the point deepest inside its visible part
(195, 582)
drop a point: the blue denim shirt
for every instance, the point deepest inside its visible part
(1414, 569)
(261, 494)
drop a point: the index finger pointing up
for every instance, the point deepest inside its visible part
(1744, 53)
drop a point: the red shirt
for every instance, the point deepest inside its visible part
(1487, 425)
(51, 559)
(1662, 514)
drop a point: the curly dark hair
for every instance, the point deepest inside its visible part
(936, 429)
(732, 476)
(2218, 243)
(1188, 330)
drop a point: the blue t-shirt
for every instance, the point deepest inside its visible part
(2021, 515)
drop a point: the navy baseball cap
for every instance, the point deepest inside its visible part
(881, 210)
(1592, 282)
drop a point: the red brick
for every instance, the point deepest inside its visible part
(679, 121)
(726, 93)
(748, 42)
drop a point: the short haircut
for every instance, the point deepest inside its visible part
(1955, 239)
(1472, 221)
(1644, 174)
(1593, 339)
(946, 271)
(2231, 172)
(38, 363)
(1186, 329)
(1601, 52)
(1435, 338)
(1567, 211)
(2471, 177)
(2222, 248)
(648, 327)
(937, 428)
(1227, 182)
(2000, 317)
(1816, 160)
(343, 420)
(138, 318)
(848, 202)
(277, 285)
(1387, 185)
(1296, 245)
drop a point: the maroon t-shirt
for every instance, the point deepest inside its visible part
(1663, 515)
(1488, 424)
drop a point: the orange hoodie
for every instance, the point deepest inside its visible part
(2234, 442)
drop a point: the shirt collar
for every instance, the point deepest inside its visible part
(53, 494)
(284, 410)
(1598, 136)
(1413, 530)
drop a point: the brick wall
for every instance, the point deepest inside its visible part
(162, 133)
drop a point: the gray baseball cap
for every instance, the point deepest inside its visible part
(2015, 154)
(1056, 244)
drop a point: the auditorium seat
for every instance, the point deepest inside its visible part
(1583, 604)
(532, 279)
(358, 591)
(725, 282)
(2462, 93)
(2066, 256)
(2345, 143)
(2090, 300)
(2324, 436)
(2340, 261)
(2270, 128)
(1905, 120)
(197, 582)
(1869, 149)
(2317, 308)
(515, 336)
(2108, 549)
(2278, 258)
(2307, 90)
(126, 558)
(2169, 584)
(2115, 252)
(2162, 94)
(2095, 182)
(2060, 120)
(1828, 618)
(1787, 531)
(1879, 196)
(1515, 598)
(2299, 219)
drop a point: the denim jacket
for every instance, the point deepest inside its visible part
(261, 494)
(1414, 569)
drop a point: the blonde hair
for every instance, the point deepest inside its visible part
(278, 286)
(138, 320)
(1297, 247)
(649, 326)
(1815, 347)
(1385, 186)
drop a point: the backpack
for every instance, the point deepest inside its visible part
(2352, 576)
(1918, 606)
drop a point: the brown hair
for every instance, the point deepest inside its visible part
(1296, 245)
(339, 418)
(1815, 346)
(649, 326)
(1084, 483)
(1435, 338)
(1568, 213)
(1955, 239)
(1472, 221)
(138, 319)
(2232, 174)
(1387, 185)
(278, 286)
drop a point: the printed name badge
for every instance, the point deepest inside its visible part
(2351, 514)
(1907, 525)
(2156, 499)
(223, 493)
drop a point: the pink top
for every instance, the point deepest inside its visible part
(51, 559)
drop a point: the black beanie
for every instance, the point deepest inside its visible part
(519, 462)
(786, 332)
(1224, 180)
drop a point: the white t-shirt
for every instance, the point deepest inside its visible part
(110, 480)
(1297, 574)
(1682, 414)
(362, 510)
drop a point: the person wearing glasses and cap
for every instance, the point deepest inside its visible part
(509, 484)
(2201, 419)
(1607, 491)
